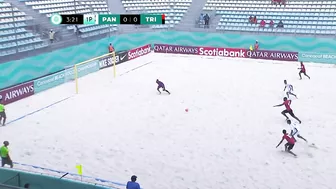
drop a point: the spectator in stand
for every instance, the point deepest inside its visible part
(251, 20)
(276, 2)
(255, 21)
(77, 31)
(4, 153)
(206, 21)
(280, 24)
(26, 185)
(256, 45)
(271, 24)
(283, 2)
(51, 36)
(262, 23)
(201, 19)
(111, 48)
(133, 184)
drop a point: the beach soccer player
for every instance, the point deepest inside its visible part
(295, 131)
(289, 89)
(288, 109)
(303, 70)
(290, 142)
(161, 86)
(2, 113)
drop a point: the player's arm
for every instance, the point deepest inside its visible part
(294, 133)
(285, 88)
(280, 142)
(279, 105)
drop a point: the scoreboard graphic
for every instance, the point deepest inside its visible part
(100, 19)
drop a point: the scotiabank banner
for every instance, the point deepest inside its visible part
(16, 93)
(273, 55)
(224, 52)
(175, 49)
(140, 51)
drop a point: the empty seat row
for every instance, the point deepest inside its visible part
(94, 2)
(154, 1)
(15, 19)
(16, 37)
(9, 15)
(275, 30)
(82, 11)
(9, 9)
(269, 5)
(55, 5)
(47, 2)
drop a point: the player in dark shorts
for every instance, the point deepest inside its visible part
(303, 70)
(290, 142)
(161, 86)
(288, 109)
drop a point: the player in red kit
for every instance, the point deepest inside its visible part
(288, 110)
(303, 70)
(290, 142)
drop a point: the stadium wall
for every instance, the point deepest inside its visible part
(20, 71)
(19, 179)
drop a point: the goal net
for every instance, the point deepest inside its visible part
(73, 74)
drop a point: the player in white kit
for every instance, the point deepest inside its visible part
(289, 89)
(295, 132)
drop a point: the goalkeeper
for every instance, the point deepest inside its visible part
(161, 85)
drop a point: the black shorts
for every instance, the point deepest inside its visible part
(290, 112)
(304, 72)
(2, 114)
(290, 146)
(6, 161)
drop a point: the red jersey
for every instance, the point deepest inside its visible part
(290, 140)
(256, 46)
(303, 69)
(287, 104)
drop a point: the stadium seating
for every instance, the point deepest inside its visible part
(50, 7)
(174, 10)
(13, 35)
(300, 17)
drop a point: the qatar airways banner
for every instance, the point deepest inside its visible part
(273, 55)
(205, 51)
(227, 52)
(140, 51)
(16, 93)
(175, 49)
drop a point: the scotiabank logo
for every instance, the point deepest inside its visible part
(135, 53)
(225, 52)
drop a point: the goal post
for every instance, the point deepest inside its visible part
(89, 66)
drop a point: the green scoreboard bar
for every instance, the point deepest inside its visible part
(137, 19)
(109, 19)
(148, 19)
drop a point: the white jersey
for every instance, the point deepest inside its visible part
(289, 88)
(295, 128)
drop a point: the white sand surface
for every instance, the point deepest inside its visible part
(120, 126)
